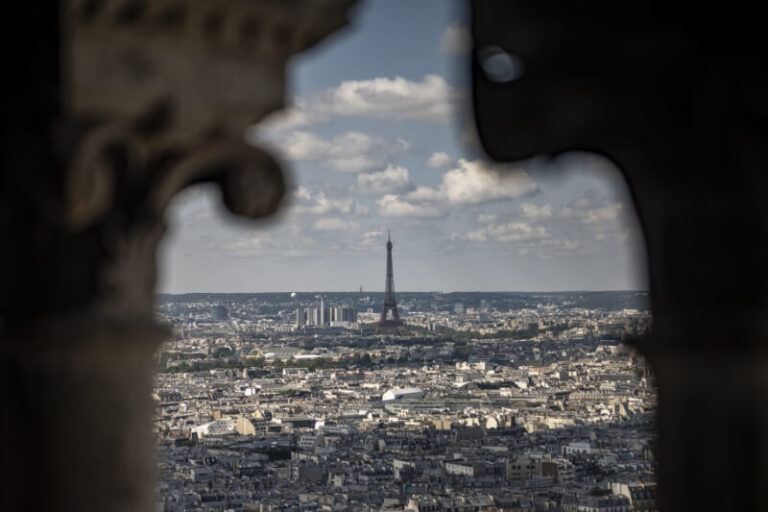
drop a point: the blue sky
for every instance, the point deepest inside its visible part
(375, 140)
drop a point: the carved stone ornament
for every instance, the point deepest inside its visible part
(116, 106)
(157, 96)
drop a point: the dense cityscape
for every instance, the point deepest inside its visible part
(475, 402)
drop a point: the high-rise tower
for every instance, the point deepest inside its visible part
(390, 319)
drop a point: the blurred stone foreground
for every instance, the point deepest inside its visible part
(677, 97)
(115, 106)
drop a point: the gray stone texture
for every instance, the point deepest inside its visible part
(675, 95)
(114, 107)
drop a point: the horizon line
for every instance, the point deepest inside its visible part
(409, 291)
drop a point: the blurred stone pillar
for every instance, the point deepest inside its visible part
(115, 106)
(676, 97)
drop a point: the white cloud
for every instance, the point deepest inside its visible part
(392, 98)
(393, 179)
(486, 218)
(456, 40)
(432, 100)
(516, 232)
(251, 244)
(439, 160)
(505, 233)
(348, 152)
(477, 182)
(334, 224)
(373, 238)
(300, 145)
(394, 206)
(319, 203)
(479, 235)
(532, 211)
(594, 213)
(302, 193)
(604, 215)
(426, 194)
(606, 221)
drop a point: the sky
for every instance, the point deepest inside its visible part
(376, 139)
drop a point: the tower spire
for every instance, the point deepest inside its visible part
(390, 318)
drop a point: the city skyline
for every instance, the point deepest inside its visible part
(374, 141)
(480, 402)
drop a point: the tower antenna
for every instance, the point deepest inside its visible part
(390, 318)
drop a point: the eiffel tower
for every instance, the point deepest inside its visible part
(390, 322)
